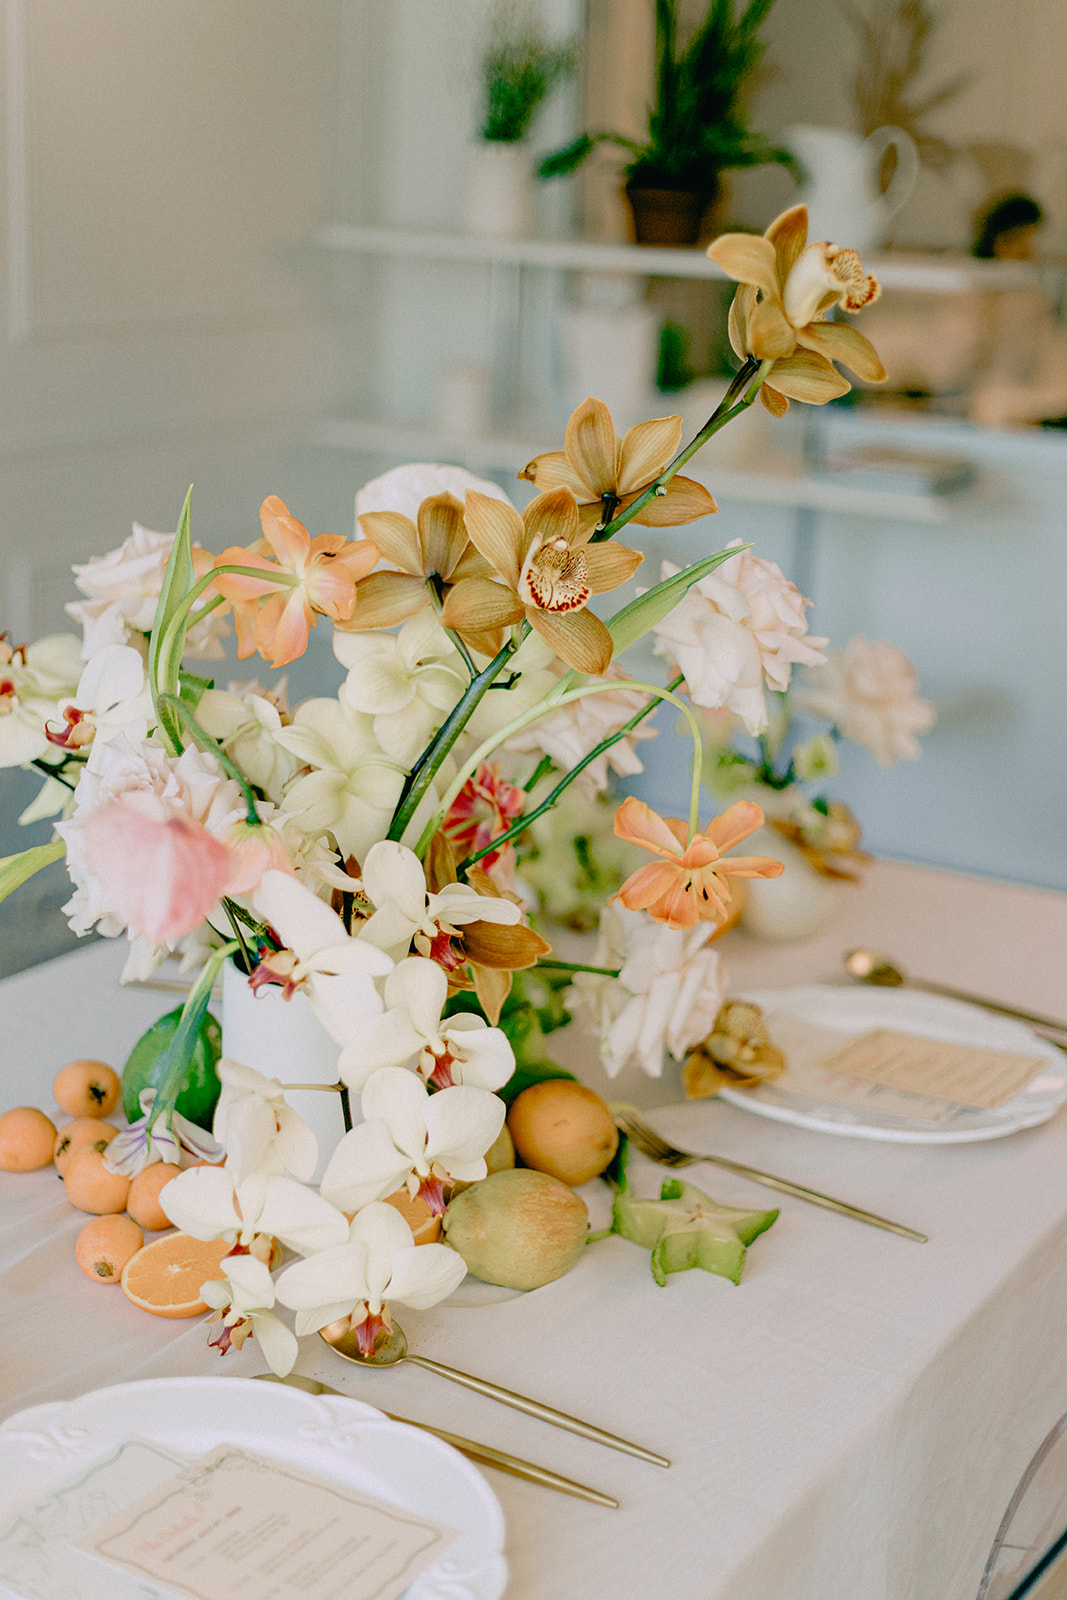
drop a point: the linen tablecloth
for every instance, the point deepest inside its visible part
(847, 1424)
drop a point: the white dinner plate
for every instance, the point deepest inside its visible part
(852, 1011)
(48, 1447)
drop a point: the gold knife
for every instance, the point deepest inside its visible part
(483, 1453)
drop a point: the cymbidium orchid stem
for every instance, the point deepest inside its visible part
(346, 1108)
(208, 744)
(523, 822)
(441, 743)
(238, 934)
(576, 966)
(746, 383)
(54, 772)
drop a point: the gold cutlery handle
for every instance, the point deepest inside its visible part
(797, 1190)
(482, 1453)
(533, 1408)
(1047, 1027)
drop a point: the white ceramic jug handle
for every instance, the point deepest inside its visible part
(907, 168)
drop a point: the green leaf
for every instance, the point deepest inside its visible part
(531, 1072)
(635, 620)
(15, 870)
(168, 634)
(686, 1228)
(147, 1067)
(193, 687)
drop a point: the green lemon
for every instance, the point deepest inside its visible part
(202, 1087)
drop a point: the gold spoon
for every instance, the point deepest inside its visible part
(867, 966)
(393, 1347)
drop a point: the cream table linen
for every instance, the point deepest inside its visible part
(846, 1425)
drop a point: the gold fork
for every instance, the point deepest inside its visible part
(629, 1120)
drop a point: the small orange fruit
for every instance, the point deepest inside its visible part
(76, 1135)
(27, 1139)
(143, 1200)
(562, 1128)
(91, 1186)
(86, 1089)
(165, 1276)
(105, 1245)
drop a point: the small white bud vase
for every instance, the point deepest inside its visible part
(497, 202)
(284, 1039)
(794, 906)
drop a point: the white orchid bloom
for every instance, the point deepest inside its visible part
(258, 1129)
(242, 1303)
(337, 971)
(380, 1259)
(412, 1137)
(206, 1203)
(353, 786)
(32, 678)
(460, 1049)
(166, 1138)
(248, 725)
(405, 912)
(407, 681)
(114, 693)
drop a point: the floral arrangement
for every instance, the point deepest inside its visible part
(362, 849)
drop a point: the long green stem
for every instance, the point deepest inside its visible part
(281, 579)
(207, 743)
(179, 1052)
(576, 966)
(442, 743)
(747, 384)
(533, 715)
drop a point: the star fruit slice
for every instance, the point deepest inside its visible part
(685, 1228)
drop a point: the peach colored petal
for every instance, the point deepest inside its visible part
(775, 403)
(592, 448)
(608, 565)
(685, 501)
(737, 324)
(637, 823)
(647, 885)
(807, 376)
(283, 627)
(646, 449)
(240, 589)
(837, 341)
(751, 867)
(287, 537)
(734, 824)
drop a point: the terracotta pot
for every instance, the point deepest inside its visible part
(667, 216)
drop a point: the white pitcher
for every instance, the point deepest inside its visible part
(840, 184)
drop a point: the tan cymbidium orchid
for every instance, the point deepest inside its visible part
(779, 312)
(606, 473)
(490, 951)
(549, 573)
(432, 554)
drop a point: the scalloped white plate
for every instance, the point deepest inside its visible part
(851, 1011)
(341, 1440)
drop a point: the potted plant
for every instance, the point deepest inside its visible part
(697, 126)
(518, 68)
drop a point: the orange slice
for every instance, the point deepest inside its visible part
(165, 1276)
(416, 1213)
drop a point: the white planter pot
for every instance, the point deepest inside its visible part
(284, 1039)
(498, 190)
(794, 906)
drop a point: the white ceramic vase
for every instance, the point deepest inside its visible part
(794, 906)
(284, 1039)
(497, 204)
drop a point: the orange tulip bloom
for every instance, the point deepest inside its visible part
(275, 619)
(689, 883)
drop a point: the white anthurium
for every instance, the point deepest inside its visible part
(380, 1261)
(337, 971)
(258, 1128)
(407, 681)
(405, 912)
(410, 1136)
(353, 786)
(461, 1049)
(206, 1203)
(242, 1303)
(166, 1138)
